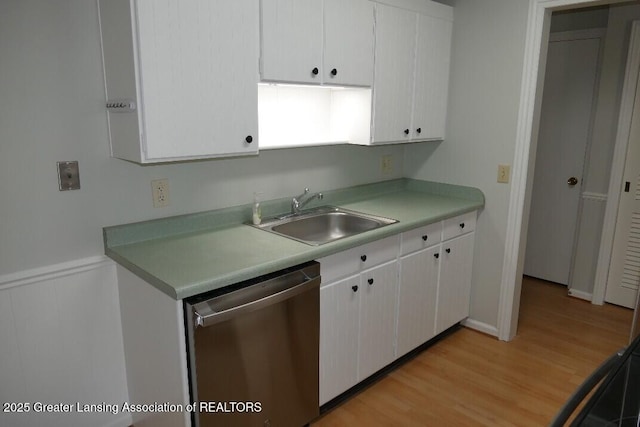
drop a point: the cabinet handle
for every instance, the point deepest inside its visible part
(437, 255)
(334, 72)
(249, 139)
(462, 225)
(315, 71)
(354, 288)
(406, 131)
(419, 130)
(370, 281)
(425, 237)
(363, 258)
(448, 250)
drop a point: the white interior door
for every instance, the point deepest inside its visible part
(564, 131)
(624, 270)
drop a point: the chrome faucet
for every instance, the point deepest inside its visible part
(297, 203)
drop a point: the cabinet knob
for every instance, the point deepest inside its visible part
(436, 255)
(249, 139)
(419, 130)
(448, 250)
(315, 71)
(406, 131)
(363, 258)
(354, 288)
(462, 225)
(370, 281)
(334, 72)
(425, 237)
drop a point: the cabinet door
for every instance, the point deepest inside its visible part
(417, 298)
(339, 317)
(377, 318)
(198, 65)
(393, 77)
(348, 42)
(454, 287)
(291, 40)
(433, 52)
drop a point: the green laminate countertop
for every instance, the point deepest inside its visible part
(190, 254)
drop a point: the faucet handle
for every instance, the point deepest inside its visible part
(306, 190)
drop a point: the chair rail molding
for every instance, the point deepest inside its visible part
(46, 273)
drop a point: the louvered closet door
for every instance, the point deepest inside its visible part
(624, 271)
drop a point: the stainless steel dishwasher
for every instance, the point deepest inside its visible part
(253, 352)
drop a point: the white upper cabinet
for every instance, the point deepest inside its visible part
(190, 69)
(433, 53)
(291, 40)
(348, 42)
(412, 55)
(317, 42)
(394, 66)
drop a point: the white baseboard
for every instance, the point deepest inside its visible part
(485, 328)
(50, 272)
(587, 296)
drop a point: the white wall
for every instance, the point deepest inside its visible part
(487, 65)
(52, 109)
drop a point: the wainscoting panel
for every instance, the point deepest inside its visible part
(61, 343)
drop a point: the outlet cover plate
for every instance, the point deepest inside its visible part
(160, 192)
(386, 164)
(68, 176)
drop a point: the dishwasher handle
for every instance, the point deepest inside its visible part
(206, 315)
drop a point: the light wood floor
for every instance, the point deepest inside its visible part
(471, 379)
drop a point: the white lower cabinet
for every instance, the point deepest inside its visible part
(417, 298)
(454, 287)
(357, 328)
(383, 299)
(339, 321)
(357, 314)
(376, 347)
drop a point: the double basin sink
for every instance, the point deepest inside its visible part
(323, 225)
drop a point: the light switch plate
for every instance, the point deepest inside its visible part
(68, 176)
(504, 172)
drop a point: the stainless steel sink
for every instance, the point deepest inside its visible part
(324, 224)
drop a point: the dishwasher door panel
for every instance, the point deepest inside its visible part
(264, 359)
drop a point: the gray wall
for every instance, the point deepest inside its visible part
(487, 64)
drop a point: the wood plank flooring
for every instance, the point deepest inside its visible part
(471, 379)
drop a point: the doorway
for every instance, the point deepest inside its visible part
(520, 197)
(567, 114)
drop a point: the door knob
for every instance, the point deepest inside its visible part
(572, 181)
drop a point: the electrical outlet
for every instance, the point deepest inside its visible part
(504, 173)
(386, 164)
(160, 192)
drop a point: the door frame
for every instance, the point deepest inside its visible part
(535, 56)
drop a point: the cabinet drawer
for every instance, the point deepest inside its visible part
(420, 238)
(354, 260)
(339, 265)
(377, 252)
(459, 225)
